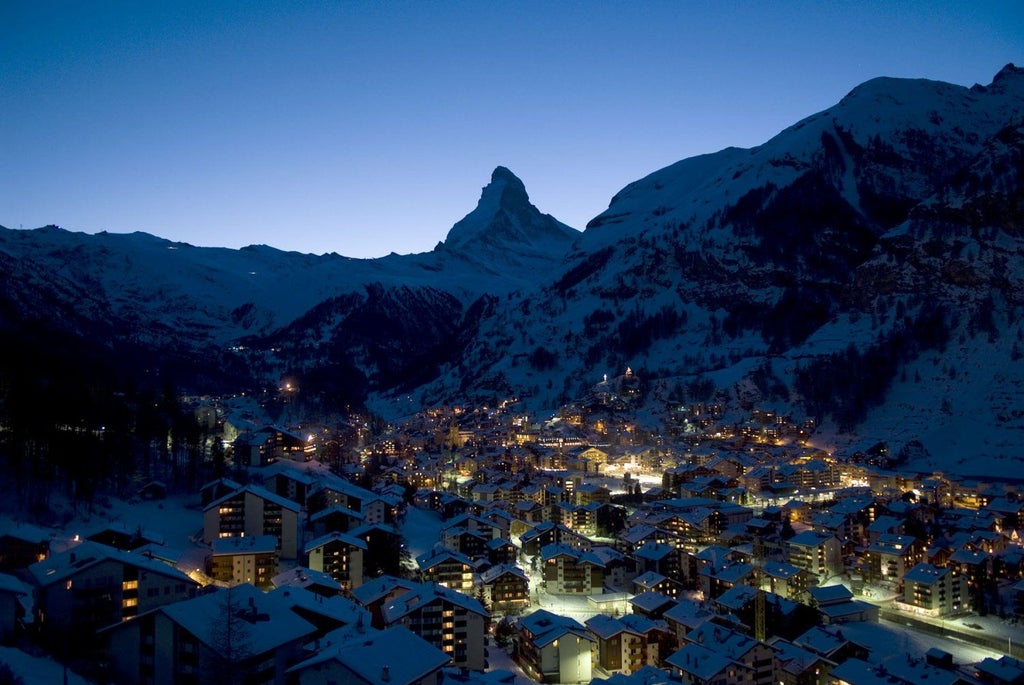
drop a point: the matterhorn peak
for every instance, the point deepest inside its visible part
(504, 190)
(505, 218)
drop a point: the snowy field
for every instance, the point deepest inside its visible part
(37, 670)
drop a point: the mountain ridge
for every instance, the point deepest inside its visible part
(860, 267)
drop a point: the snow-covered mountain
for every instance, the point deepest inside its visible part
(864, 266)
(240, 307)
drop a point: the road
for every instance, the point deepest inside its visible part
(997, 644)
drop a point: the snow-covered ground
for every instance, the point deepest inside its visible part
(422, 528)
(37, 670)
(887, 640)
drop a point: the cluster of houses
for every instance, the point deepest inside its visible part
(736, 566)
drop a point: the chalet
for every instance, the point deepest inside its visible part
(651, 604)
(698, 665)
(269, 444)
(935, 591)
(92, 585)
(835, 604)
(686, 615)
(714, 580)
(331, 490)
(785, 580)
(238, 633)
(383, 554)
(506, 588)
(449, 620)
(568, 571)
(335, 518)
(627, 644)
(782, 616)
(252, 511)
(492, 526)
(238, 560)
(448, 568)
(327, 612)
(890, 556)
(501, 551)
(586, 493)
(22, 545)
(798, 666)
(553, 648)
(470, 543)
(755, 657)
(655, 582)
(290, 482)
(551, 533)
(376, 593)
(901, 671)
(318, 583)
(819, 553)
(123, 536)
(216, 489)
(831, 643)
(369, 659)
(340, 556)
(659, 558)
(1005, 670)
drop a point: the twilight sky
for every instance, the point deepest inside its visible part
(369, 127)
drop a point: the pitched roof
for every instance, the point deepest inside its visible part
(425, 594)
(345, 538)
(256, 491)
(546, 627)
(260, 622)
(699, 661)
(651, 601)
(926, 574)
(495, 572)
(253, 544)
(372, 657)
(58, 567)
(380, 587)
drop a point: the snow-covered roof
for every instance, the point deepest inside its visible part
(373, 657)
(810, 538)
(380, 587)
(651, 601)
(700, 662)
(829, 594)
(300, 577)
(495, 572)
(546, 627)
(341, 609)
(261, 622)
(425, 594)
(252, 544)
(58, 567)
(260, 492)
(335, 536)
(925, 574)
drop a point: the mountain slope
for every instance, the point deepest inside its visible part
(760, 272)
(864, 267)
(174, 298)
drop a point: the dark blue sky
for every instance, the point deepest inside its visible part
(364, 128)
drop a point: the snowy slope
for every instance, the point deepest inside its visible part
(864, 266)
(758, 269)
(226, 293)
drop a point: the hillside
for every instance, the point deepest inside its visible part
(865, 267)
